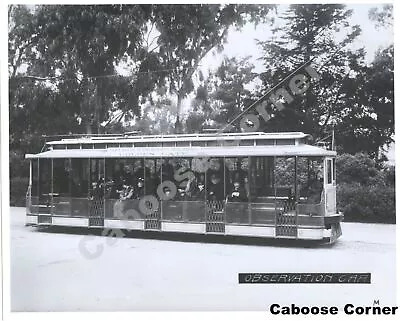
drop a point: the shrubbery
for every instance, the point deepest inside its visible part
(18, 188)
(362, 203)
(365, 192)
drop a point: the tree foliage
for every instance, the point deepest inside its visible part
(223, 94)
(348, 97)
(382, 17)
(80, 47)
(365, 189)
(189, 32)
(367, 123)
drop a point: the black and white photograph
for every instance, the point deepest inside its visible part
(200, 157)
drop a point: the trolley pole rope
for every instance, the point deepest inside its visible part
(278, 84)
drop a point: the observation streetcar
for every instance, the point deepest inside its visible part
(272, 185)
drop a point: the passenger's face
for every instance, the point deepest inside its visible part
(215, 180)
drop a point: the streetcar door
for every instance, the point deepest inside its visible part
(150, 207)
(96, 192)
(329, 186)
(284, 196)
(45, 191)
(215, 196)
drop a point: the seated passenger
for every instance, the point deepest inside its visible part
(217, 167)
(139, 190)
(215, 190)
(166, 171)
(110, 189)
(195, 188)
(128, 174)
(181, 194)
(182, 175)
(168, 195)
(126, 193)
(151, 184)
(141, 172)
(238, 175)
(312, 191)
(238, 193)
(97, 191)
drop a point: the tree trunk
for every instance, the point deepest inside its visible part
(88, 126)
(178, 125)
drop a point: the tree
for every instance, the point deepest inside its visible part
(21, 38)
(382, 18)
(367, 124)
(77, 48)
(365, 191)
(62, 70)
(310, 31)
(358, 168)
(189, 32)
(224, 94)
(157, 117)
(348, 96)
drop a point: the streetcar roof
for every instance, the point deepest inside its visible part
(177, 138)
(214, 151)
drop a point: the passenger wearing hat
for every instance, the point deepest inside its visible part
(139, 191)
(215, 190)
(238, 193)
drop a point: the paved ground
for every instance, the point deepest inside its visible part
(49, 272)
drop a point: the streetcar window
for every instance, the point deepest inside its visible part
(246, 142)
(230, 142)
(113, 145)
(285, 142)
(44, 181)
(59, 146)
(215, 180)
(168, 144)
(182, 170)
(154, 144)
(121, 145)
(87, 146)
(212, 143)
(182, 144)
(79, 177)
(329, 171)
(263, 142)
(61, 176)
(334, 169)
(236, 177)
(35, 177)
(151, 176)
(110, 179)
(309, 179)
(198, 143)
